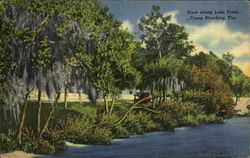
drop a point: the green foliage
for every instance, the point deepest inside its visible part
(99, 135)
(162, 37)
(82, 130)
(139, 123)
(213, 93)
(110, 69)
(42, 58)
(239, 83)
(45, 148)
(8, 142)
(176, 113)
(167, 66)
(133, 125)
(221, 67)
(164, 45)
(209, 118)
(54, 138)
(119, 131)
(89, 110)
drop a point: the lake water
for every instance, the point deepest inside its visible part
(228, 140)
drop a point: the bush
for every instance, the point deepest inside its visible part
(84, 131)
(99, 136)
(208, 89)
(177, 113)
(140, 122)
(209, 118)
(119, 131)
(37, 146)
(147, 123)
(133, 125)
(166, 121)
(8, 141)
(54, 138)
(104, 120)
(44, 147)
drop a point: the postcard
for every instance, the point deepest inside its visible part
(125, 78)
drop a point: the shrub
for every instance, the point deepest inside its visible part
(104, 120)
(133, 125)
(209, 89)
(8, 141)
(140, 122)
(84, 130)
(166, 121)
(147, 123)
(209, 118)
(99, 136)
(29, 145)
(189, 120)
(44, 147)
(54, 138)
(119, 131)
(177, 113)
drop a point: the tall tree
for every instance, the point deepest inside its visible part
(110, 67)
(165, 45)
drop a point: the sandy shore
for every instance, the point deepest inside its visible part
(18, 154)
(21, 154)
(241, 107)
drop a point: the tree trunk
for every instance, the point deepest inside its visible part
(112, 105)
(236, 100)
(164, 92)
(106, 105)
(57, 98)
(159, 49)
(131, 108)
(65, 98)
(21, 123)
(39, 112)
(47, 122)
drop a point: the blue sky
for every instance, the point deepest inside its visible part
(219, 36)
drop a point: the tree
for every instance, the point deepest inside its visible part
(110, 68)
(42, 48)
(222, 66)
(165, 45)
(207, 88)
(162, 37)
(239, 83)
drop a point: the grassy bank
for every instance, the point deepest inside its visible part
(86, 123)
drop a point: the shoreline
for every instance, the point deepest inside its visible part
(19, 154)
(22, 154)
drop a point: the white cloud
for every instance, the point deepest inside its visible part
(173, 16)
(241, 49)
(128, 25)
(217, 35)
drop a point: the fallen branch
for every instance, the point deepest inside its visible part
(130, 109)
